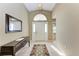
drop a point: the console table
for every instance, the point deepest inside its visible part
(12, 47)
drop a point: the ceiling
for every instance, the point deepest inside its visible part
(38, 6)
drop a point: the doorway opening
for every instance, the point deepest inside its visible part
(40, 28)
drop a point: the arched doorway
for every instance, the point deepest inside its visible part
(40, 28)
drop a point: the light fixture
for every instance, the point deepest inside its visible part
(40, 6)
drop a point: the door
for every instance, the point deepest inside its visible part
(39, 31)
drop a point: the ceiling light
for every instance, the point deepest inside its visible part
(40, 6)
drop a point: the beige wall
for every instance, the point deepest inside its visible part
(48, 14)
(18, 11)
(67, 22)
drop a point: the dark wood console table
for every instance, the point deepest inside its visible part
(12, 47)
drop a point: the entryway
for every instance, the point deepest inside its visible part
(39, 28)
(39, 31)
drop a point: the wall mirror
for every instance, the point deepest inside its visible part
(12, 24)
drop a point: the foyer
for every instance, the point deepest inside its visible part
(39, 29)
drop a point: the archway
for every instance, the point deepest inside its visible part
(40, 28)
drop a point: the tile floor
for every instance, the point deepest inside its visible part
(26, 50)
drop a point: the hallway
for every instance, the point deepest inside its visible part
(52, 24)
(25, 51)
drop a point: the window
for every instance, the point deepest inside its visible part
(33, 28)
(40, 17)
(45, 27)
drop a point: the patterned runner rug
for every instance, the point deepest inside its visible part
(39, 50)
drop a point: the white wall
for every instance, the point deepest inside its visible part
(67, 22)
(16, 10)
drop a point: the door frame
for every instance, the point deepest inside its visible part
(39, 21)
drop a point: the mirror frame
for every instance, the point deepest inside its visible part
(7, 16)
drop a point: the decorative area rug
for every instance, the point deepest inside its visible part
(39, 50)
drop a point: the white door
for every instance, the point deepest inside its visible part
(39, 31)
